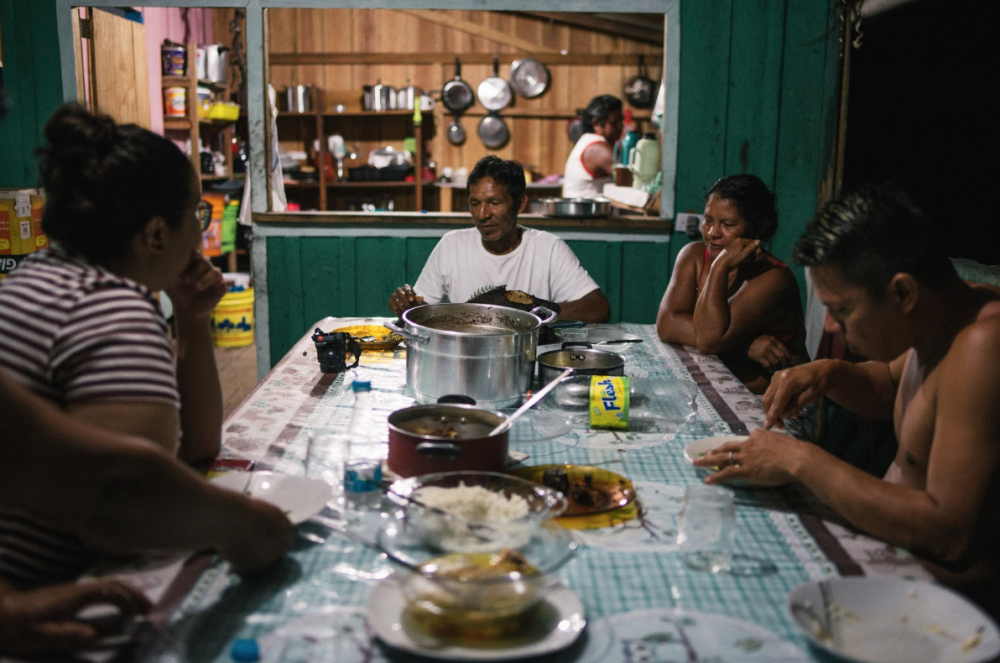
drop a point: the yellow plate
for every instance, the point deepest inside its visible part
(378, 337)
(592, 490)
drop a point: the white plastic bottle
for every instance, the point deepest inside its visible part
(363, 469)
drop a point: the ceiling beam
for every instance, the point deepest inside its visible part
(449, 20)
(622, 25)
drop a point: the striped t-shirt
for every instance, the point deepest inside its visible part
(75, 332)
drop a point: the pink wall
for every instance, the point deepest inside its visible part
(181, 25)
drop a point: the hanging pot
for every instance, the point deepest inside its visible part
(529, 77)
(456, 94)
(456, 132)
(640, 90)
(494, 93)
(575, 128)
(493, 131)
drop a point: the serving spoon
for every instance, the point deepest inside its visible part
(509, 421)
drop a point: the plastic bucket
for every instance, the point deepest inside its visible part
(232, 320)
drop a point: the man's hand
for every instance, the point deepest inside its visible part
(42, 621)
(793, 388)
(765, 459)
(258, 539)
(404, 298)
(740, 251)
(769, 352)
(199, 291)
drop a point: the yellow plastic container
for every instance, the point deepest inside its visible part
(232, 320)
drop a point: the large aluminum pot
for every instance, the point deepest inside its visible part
(483, 351)
(445, 437)
(582, 358)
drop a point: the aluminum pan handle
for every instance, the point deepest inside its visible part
(408, 335)
(541, 312)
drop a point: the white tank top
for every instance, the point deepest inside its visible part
(578, 182)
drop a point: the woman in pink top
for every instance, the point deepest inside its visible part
(730, 297)
(591, 163)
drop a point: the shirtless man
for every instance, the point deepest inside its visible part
(934, 342)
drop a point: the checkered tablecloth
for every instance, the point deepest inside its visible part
(633, 567)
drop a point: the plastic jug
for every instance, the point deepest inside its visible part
(644, 161)
(624, 147)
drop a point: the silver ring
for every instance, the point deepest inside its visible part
(731, 462)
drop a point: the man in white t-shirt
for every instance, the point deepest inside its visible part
(498, 252)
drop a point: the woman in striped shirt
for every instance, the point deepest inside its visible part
(79, 321)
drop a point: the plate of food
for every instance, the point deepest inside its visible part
(552, 625)
(876, 620)
(588, 490)
(373, 337)
(300, 498)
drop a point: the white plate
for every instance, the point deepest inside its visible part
(299, 497)
(385, 615)
(684, 635)
(884, 620)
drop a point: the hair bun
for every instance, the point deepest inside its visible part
(76, 135)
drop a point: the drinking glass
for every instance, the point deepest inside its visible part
(574, 334)
(706, 528)
(326, 458)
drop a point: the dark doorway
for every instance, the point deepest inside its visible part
(922, 112)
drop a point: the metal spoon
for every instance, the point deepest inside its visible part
(509, 421)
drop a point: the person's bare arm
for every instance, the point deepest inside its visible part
(940, 522)
(726, 326)
(674, 319)
(867, 389)
(591, 308)
(123, 494)
(201, 288)
(599, 159)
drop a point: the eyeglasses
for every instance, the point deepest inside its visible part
(203, 212)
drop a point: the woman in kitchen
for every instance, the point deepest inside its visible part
(591, 163)
(728, 296)
(80, 324)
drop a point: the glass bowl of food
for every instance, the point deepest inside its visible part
(476, 596)
(474, 511)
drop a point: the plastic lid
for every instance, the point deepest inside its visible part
(361, 385)
(245, 650)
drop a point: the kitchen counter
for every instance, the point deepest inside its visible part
(612, 225)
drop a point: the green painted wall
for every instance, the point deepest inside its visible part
(758, 95)
(31, 79)
(309, 278)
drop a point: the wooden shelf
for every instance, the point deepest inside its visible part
(176, 124)
(373, 185)
(566, 113)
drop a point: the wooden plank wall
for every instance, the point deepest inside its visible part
(540, 144)
(354, 276)
(757, 95)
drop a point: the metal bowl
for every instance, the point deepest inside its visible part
(576, 208)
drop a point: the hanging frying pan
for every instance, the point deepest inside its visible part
(529, 77)
(574, 128)
(456, 132)
(457, 94)
(640, 90)
(493, 131)
(494, 93)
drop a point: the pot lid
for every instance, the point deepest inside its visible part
(529, 77)
(581, 357)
